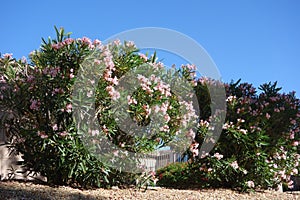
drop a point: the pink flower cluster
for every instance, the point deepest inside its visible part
(234, 165)
(189, 113)
(42, 134)
(113, 93)
(131, 100)
(250, 184)
(68, 108)
(218, 156)
(194, 148)
(35, 104)
(7, 56)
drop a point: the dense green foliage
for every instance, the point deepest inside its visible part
(258, 147)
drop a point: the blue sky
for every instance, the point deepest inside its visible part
(258, 41)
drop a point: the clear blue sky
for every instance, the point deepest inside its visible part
(256, 40)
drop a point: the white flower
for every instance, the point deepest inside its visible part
(244, 131)
(234, 165)
(231, 98)
(218, 156)
(55, 127)
(250, 184)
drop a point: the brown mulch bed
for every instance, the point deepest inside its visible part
(11, 190)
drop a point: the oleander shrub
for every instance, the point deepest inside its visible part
(39, 104)
(258, 146)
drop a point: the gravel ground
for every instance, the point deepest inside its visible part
(12, 190)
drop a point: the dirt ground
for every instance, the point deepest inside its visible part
(15, 190)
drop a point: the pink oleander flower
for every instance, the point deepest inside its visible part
(240, 120)
(147, 109)
(156, 108)
(114, 80)
(24, 60)
(204, 123)
(129, 44)
(293, 122)
(57, 91)
(295, 171)
(276, 110)
(165, 128)
(2, 79)
(231, 98)
(243, 131)
(68, 41)
(234, 165)
(57, 46)
(86, 40)
(292, 136)
(226, 126)
(194, 83)
(63, 134)
(112, 92)
(69, 108)
(42, 134)
(71, 74)
(194, 148)
(283, 156)
(53, 72)
(250, 184)
(55, 127)
(164, 107)
(191, 133)
(95, 132)
(295, 143)
(143, 56)
(97, 42)
(89, 93)
(167, 117)
(191, 67)
(97, 61)
(131, 100)
(35, 104)
(218, 156)
(116, 153)
(202, 168)
(268, 115)
(45, 71)
(291, 184)
(7, 55)
(105, 129)
(117, 42)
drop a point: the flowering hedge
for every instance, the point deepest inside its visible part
(258, 147)
(38, 100)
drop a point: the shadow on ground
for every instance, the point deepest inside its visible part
(33, 192)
